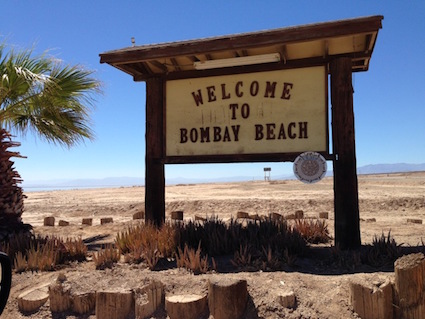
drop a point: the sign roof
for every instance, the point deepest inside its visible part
(305, 45)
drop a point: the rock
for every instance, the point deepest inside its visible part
(192, 306)
(31, 300)
(49, 221)
(148, 299)
(114, 304)
(227, 298)
(287, 299)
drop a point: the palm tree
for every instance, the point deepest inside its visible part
(42, 95)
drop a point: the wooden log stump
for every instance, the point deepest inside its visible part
(242, 215)
(63, 223)
(200, 218)
(287, 299)
(299, 214)
(31, 300)
(324, 215)
(177, 215)
(139, 215)
(83, 303)
(227, 298)
(410, 286)
(372, 301)
(114, 304)
(254, 217)
(414, 221)
(276, 216)
(148, 299)
(106, 220)
(60, 297)
(290, 216)
(192, 306)
(49, 221)
(87, 221)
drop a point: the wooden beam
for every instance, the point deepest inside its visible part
(346, 201)
(159, 65)
(154, 167)
(245, 41)
(175, 64)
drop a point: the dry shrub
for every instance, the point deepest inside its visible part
(145, 242)
(74, 249)
(384, 251)
(107, 257)
(242, 257)
(314, 231)
(192, 260)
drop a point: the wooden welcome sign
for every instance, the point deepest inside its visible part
(254, 97)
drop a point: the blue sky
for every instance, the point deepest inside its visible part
(389, 99)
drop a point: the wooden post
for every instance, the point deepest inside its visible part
(154, 165)
(346, 201)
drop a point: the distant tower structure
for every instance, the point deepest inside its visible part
(267, 171)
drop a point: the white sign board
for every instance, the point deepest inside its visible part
(282, 111)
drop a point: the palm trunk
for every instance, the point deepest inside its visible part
(11, 194)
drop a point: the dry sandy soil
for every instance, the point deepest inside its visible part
(321, 288)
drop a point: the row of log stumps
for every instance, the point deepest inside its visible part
(226, 299)
(403, 297)
(299, 214)
(50, 221)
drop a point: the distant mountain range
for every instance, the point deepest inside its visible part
(140, 181)
(390, 168)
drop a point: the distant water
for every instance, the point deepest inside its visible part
(31, 189)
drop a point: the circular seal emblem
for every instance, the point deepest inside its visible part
(310, 167)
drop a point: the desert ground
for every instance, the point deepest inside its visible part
(386, 202)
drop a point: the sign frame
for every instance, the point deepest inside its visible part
(249, 157)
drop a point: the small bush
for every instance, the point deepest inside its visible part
(313, 231)
(384, 251)
(107, 257)
(190, 259)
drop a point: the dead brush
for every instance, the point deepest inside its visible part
(42, 257)
(107, 257)
(242, 257)
(314, 231)
(192, 260)
(151, 255)
(20, 262)
(270, 260)
(145, 242)
(384, 251)
(347, 259)
(75, 249)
